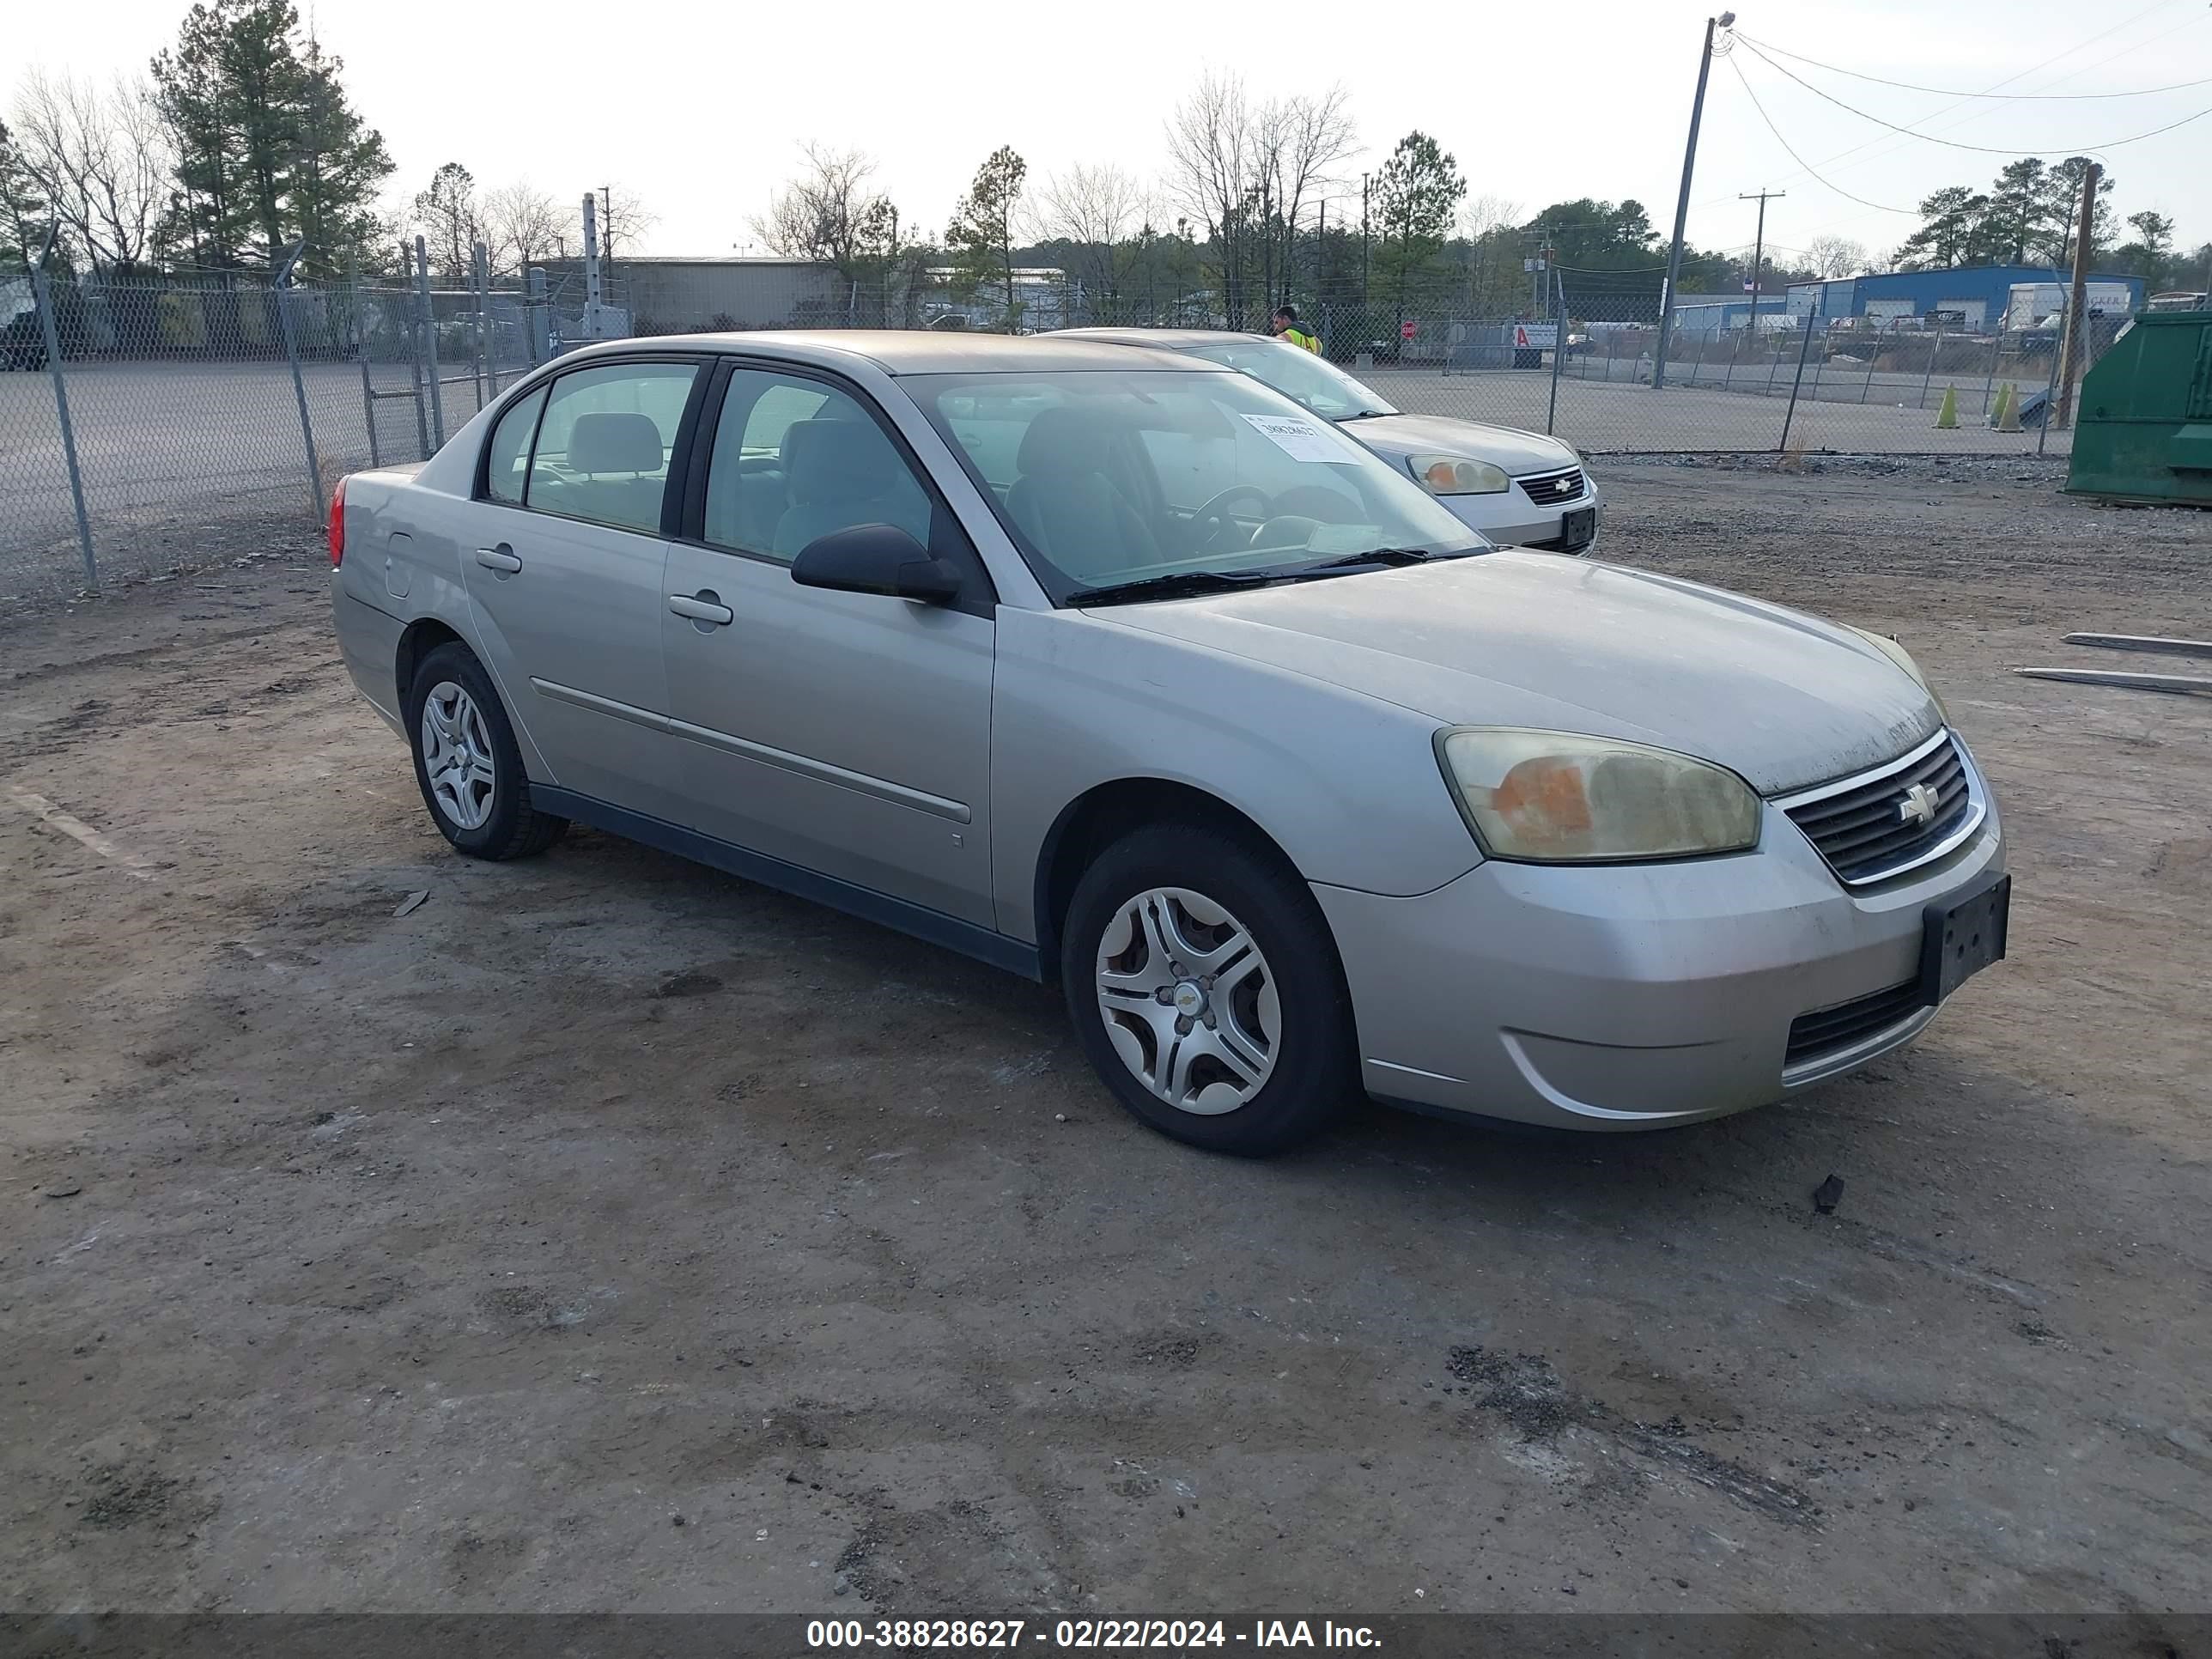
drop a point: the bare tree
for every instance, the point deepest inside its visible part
(624, 219)
(1835, 255)
(99, 159)
(1302, 140)
(1493, 259)
(1249, 173)
(1094, 210)
(1211, 172)
(451, 219)
(523, 226)
(828, 214)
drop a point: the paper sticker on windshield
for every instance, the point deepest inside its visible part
(1302, 441)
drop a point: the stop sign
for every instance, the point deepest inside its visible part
(1404, 330)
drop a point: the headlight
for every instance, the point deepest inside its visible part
(1457, 474)
(1897, 654)
(1558, 798)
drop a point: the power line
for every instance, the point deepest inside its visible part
(1953, 143)
(1882, 142)
(1910, 213)
(1763, 47)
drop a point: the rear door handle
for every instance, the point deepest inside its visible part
(705, 607)
(498, 558)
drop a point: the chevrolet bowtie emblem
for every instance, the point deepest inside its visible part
(1917, 805)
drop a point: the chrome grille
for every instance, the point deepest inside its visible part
(1830, 1030)
(1554, 488)
(1886, 821)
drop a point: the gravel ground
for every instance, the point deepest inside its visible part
(608, 1233)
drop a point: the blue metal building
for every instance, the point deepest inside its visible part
(1977, 293)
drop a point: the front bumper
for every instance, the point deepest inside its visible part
(1511, 520)
(1631, 996)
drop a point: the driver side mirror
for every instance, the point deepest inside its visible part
(877, 558)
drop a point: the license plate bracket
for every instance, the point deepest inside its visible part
(1578, 529)
(1962, 937)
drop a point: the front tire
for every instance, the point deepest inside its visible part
(1206, 990)
(467, 764)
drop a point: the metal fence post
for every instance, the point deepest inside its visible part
(487, 369)
(358, 327)
(1989, 382)
(429, 346)
(1559, 344)
(2050, 395)
(42, 294)
(298, 384)
(537, 308)
(1933, 352)
(1790, 414)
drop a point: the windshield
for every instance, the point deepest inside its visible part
(1299, 375)
(1108, 477)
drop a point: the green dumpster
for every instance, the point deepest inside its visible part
(2143, 428)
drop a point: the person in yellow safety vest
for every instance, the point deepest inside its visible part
(1287, 327)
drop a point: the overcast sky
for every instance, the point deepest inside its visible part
(699, 108)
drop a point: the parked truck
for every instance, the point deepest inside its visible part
(2031, 305)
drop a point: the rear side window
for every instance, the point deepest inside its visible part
(603, 446)
(510, 450)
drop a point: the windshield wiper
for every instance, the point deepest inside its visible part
(1373, 556)
(1365, 414)
(1176, 584)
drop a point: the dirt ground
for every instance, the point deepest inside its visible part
(609, 1234)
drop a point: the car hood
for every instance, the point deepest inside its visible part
(1518, 638)
(1516, 450)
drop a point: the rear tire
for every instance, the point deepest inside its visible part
(467, 764)
(1206, 990)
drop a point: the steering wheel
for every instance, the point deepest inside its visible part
(1213, 510)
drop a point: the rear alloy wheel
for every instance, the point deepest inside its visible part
(467, 762)
(1205, 989)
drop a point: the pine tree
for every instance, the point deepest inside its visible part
(24, 218)
(1416, 192)
(982, 233)
(269, 150)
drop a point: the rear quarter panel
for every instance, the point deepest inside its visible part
(405, 540)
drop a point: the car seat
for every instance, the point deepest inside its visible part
(1074, 513)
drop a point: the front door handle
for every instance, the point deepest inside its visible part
(705, 607)
(498, 558)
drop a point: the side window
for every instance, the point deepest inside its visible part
(604, 444)
(794, 459)
(510, 450)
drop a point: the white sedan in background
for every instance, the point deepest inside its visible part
(1519, 489)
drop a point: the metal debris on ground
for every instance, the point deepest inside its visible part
(1825, 1195)
(2185, 685)
(412, 902)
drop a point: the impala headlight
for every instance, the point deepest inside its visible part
(1457, 474)
(1897, 654)
(1560, 798)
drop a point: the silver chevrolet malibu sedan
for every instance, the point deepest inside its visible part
(1119, 669)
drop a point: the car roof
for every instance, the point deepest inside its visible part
(914, 351)
(1167, 339)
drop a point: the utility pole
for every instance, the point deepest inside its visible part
(1726, 20)
(2077, 297)
(1759, 249)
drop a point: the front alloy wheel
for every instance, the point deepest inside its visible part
(1189, 1000)
(1205, 989)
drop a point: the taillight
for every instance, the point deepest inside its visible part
(338, 524)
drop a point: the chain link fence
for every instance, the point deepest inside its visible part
(155, 421)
